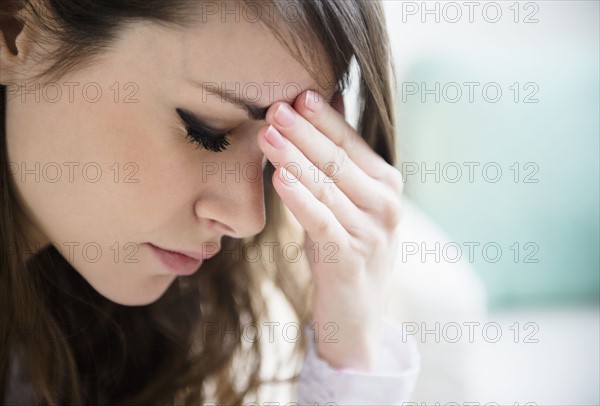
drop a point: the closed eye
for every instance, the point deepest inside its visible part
(202, 134)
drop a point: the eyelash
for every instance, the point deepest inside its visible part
(215, 144)
(201, 137)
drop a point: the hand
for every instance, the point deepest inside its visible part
(350, 208)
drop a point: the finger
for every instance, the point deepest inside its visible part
(330, 121)
(280, 152)
(316, 218)
(337, 103)
(333, 160)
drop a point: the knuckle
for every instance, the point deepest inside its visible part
(339, 159)
(349, 138)
(373, 242)
(326, 193)
(379, 242)
(360, 249)
(323, 225)
(393, 178)
(392, 211)
(398, 184)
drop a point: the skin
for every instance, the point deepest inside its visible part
(171, 205)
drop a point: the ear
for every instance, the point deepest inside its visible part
(337, 102)
(16, 43)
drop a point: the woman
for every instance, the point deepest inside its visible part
(147, 147)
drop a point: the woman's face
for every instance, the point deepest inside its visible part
(102, 160)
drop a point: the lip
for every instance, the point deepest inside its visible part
(178, 262)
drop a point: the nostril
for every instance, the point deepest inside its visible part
(222, 226)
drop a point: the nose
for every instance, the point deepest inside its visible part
(232, 198)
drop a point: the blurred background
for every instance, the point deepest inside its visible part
(498, 108)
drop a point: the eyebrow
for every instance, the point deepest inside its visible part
(255, 111)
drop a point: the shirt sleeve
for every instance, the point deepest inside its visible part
(391, 381)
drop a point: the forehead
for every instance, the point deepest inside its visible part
(241, 57)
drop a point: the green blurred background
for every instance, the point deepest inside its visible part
(547, 212)
(552, 202)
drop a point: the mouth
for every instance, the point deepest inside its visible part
(182, 263)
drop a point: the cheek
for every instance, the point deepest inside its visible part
(65, 161)
(90, 171)
(96, 179)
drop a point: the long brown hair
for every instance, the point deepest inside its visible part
(79, 347)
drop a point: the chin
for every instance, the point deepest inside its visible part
(142, 295)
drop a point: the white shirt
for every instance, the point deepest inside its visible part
(391, 381)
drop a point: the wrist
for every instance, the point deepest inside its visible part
(357, 351)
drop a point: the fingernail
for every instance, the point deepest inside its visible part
(275, 138)
(285, 116)
(311, 102)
